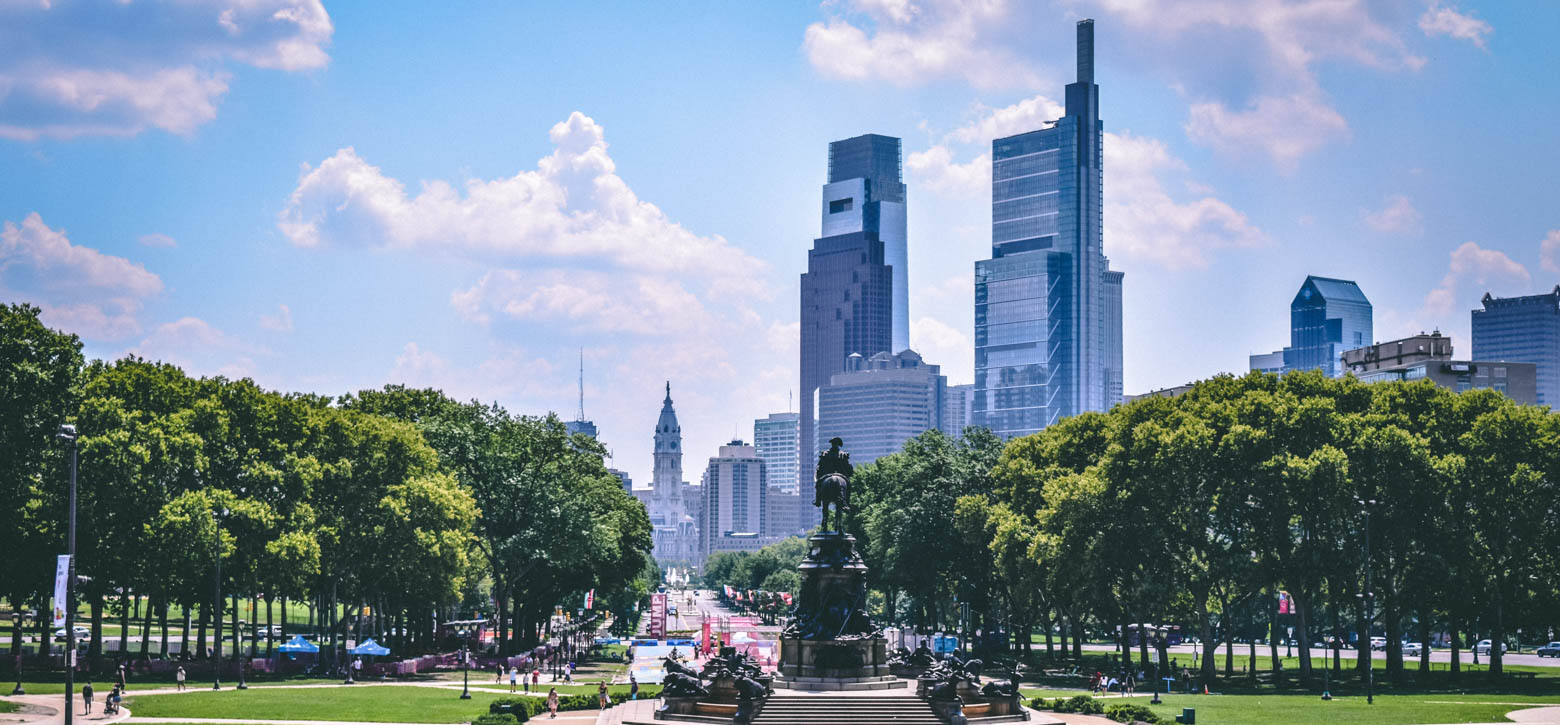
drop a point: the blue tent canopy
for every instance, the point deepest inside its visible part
(370, 647)
(298, 644)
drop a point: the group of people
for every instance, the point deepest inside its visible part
(1126, 679)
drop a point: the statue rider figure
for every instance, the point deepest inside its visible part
(832, 483)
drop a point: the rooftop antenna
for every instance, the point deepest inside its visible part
(582, 385)
(788, 401)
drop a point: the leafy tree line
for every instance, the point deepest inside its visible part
(399, 502)
(1198, 510)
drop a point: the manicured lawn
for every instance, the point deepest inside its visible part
(9, 706)
(372, 703)
(366, 702)
(1270, 709)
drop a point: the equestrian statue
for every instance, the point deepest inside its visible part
(833, 484)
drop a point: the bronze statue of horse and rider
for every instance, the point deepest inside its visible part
(833, 484)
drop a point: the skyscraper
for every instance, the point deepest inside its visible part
(1327, 317)
(1047, 304)
(674, 530)
(1522, 329)
(735, 499)
(956, 409)
(853, 299)
(775, 438)
(880, 402)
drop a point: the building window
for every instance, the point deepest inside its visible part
(840, 205)
(1500, 372)
(1414, 373)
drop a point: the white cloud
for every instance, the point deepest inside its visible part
(199, 349)
(591, 301)
(79, 289)
(156, 240)
(936, 170)
(76, 69)
(1398, 217)
(1284, 128)
(511, 374)
(1439, 19)
(1549, 252)
(572, 209)
(1472, 272)
(1143, 222)
(280, 322)
(941, 344)
(993, 123)
(910, 42)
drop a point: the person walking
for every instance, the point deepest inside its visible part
(601, 694)
(552, 702)
(123, 686)
(499, 676)
(633, 687)
(536, 678)
(178, 676)
(86, 697)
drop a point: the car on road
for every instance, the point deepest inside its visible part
(672, 611)
(81, 633)
(1483, 647)
(1378, 643)
(1549, 650)
(1412, 649)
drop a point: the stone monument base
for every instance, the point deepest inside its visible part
(833, 658)
(840, 684)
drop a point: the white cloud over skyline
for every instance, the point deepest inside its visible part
(95, 295)
(1399, 217)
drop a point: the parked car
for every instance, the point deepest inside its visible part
(81, 633)
(1483, 647)
(1549, 650)
(1412, 649)
(1378, 643)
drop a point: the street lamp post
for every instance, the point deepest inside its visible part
(1369, 598)
(16, 634)
(68, 433)
(1158, 645)
(1289, 643)
(239, 654)
(216, 599)
(465, 665)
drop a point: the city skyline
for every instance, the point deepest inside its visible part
(274, 208)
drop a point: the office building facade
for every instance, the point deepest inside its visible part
(1523, 329)
(1327, 317)
(849, 299)
(880, 402)
(1047, 305)
(956, 409)
(1429, 357)
(736, 499)
(777, 439)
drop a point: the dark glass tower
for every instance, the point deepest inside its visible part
(853, 292)
(1047, 304)
(1326, 317)
(1522, 329)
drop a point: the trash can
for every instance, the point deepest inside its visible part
(1188, 716)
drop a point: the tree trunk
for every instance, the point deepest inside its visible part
(146, 628)
(1362, 622)
(1209, 644)
(200, 639)
(1229, 655)
(1278, 665)
(124, 622)
(270, 624)
(1302, 608)
(1424, 640)
(1143, 645)
(1456, 649)
(1392, 615)
(1077, 636)
(1497, 633)
(96, 649)
(162, 623)
(503, 621)
(1045, 621)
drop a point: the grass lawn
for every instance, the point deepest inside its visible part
(372, 703)
(9, 707)
(1273, 709)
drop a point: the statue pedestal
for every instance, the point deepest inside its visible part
(831, 643)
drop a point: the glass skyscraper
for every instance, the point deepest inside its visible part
(1327, 317)
(853, 294)
(1047, 305)
(1522, 329)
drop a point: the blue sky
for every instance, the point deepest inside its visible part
(337, 196)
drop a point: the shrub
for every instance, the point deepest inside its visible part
(1080, 704)
(521, 709)
(1132, 713)
(491, 719)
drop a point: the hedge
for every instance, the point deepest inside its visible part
(1128, 712)
(520, 709)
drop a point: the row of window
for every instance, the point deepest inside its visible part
(1025, 207)
(1038, 226)
(1042, 183)
(1025, 166)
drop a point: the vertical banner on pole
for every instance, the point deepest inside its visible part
(61, 574)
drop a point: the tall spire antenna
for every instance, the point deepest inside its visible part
(582, 385)
(1086, 50)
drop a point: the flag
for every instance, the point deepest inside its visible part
(590, 598)
(61, 577)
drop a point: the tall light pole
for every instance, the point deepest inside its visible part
(68, 433)
(1369, 598)
(465, 664)
(216, 600)
(238, 652)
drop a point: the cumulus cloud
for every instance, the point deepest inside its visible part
(1445, 20)
(942, 344)
(593, 301)
(1549, 252)
(79, 289)
(572, 209)
(1143, 221)
(200, 349)
(936, 170)
(79, 69)
(909, 42)
(1398, 217)
(1472, 272)
(1284, 128)
(280, 322)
